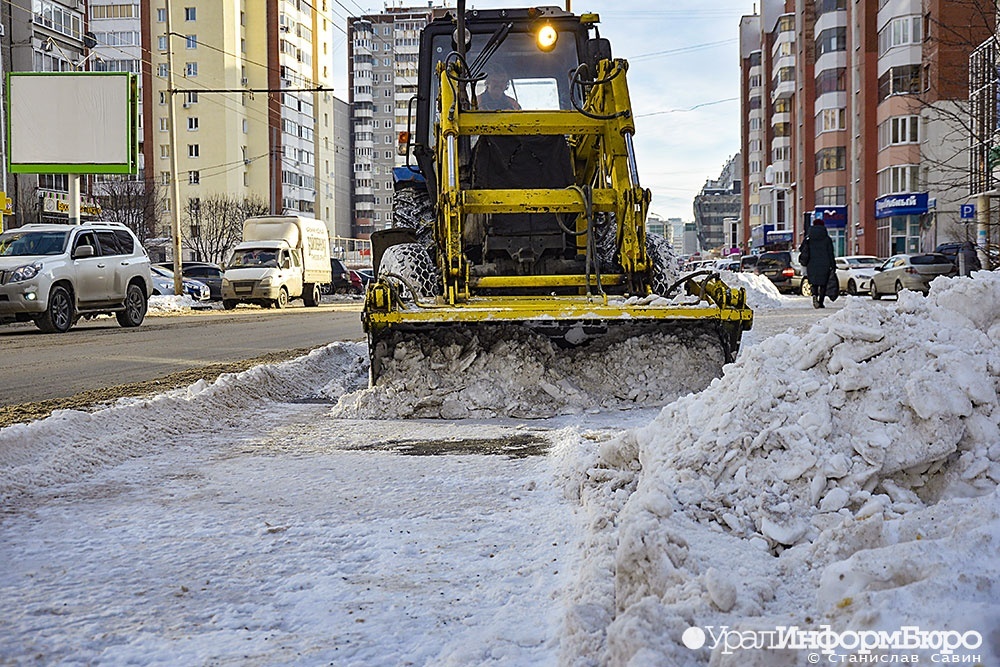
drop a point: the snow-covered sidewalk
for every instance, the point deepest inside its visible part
(842, 480)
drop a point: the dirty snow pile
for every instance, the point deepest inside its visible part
(170, 303)
(508, 371)
(846, 478)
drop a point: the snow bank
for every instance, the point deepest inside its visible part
(508, 371)
(69, 443)
(761, 292)
(847, 477)
(171, 303)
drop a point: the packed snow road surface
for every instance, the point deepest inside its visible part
(841, 479)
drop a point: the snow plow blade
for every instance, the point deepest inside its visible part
(711, 315)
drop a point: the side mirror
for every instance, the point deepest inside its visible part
(879, 268)
(83, 251)
(598, 49)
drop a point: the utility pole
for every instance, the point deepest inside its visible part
(175, 192)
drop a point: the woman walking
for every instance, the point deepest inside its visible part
(816, 254)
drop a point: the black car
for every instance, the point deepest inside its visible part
(210, 274)
(967, 250)
(782, 268)
(342, 283)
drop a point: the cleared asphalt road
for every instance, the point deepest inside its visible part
(100, 354)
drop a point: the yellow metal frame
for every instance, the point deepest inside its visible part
(600, 142)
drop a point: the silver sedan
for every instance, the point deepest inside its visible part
(912, 272)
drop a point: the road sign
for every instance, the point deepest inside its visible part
(967, 212)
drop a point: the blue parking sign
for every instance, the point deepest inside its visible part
(967, 212)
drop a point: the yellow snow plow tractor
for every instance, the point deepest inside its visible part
(524, 206)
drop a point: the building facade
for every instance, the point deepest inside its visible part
(382, 70)
(717, 210)
(253, 102)
(860, 108)
(42, 36)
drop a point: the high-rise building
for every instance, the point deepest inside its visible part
(382, 70)
(254, 102)
(853, 112)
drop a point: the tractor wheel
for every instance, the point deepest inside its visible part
(663, 272)
(411, 263)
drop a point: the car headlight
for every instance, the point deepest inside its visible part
(26, 272)
(265, 282)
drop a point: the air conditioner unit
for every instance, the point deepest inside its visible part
(284, 28)
(186, 105)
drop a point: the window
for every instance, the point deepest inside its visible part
(164, 150)
(194, 150)
(163, 97)
(832, 196)
(164, 178)
(164, 124)
(161, 15)
(831, 40)
(831, 120)
(900, 31)
(899, 130)
(831, 80)
(161, 42)
(831, 159)
(190, 13)
(190, 98)
(190, 69)
(784, 75)
(901, 80)
(191, 42)
(782, 105)
(193, 123)
(904, 178)
(782, 129)
(194, 177)
(824, 6)
(162, 71)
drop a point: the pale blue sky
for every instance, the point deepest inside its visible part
(683, 79)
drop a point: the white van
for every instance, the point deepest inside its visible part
(281, 257)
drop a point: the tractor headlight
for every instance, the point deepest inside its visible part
(546, 37)
(26, 272)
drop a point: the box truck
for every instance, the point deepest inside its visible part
(281, 257)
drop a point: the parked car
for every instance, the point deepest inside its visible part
(782, 268)
(357, 282)
(205, 272)
(367, 275)
(163, 284)
(54, 274)
(913, 272)
(727, 264)
(854, 273)
(747, 262)
(967, 250)
(342, 283)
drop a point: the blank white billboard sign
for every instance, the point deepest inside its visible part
(80, 122)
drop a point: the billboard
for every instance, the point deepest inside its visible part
(72, 123)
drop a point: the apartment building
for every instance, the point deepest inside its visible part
(42, 36)
(253, 101)
(861, 106)
(382, 70)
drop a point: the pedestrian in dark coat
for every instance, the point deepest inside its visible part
(819, 260)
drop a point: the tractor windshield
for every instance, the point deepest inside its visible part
(536, 80)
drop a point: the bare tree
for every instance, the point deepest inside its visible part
(214, 224)
(948, 166)
(136, 204)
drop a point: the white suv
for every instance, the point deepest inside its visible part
(54, 274)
